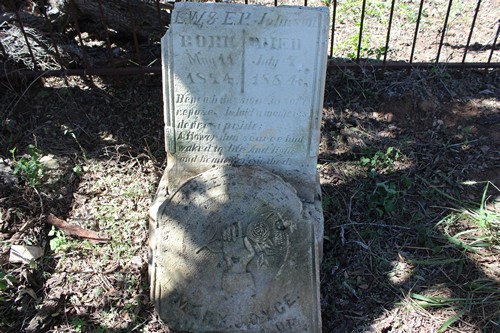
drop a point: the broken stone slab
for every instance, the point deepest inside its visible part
(24, 253)
(232, 250)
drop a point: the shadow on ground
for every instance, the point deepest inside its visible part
(393, 173)
(394, 153)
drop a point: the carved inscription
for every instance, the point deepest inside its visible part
(241, 18)
(194, 313)
(234, 246)
(244, 87)
(236, 134)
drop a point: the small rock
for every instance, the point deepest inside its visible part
(426, 105)
(49, 162)
(7, 175)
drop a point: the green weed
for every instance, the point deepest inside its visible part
(78, 170)
(476, 293)
(59, 243)
(381, 161)
(30, 168)
(68, 131)
(134, 191)
(78, 324)
(383, 198)
(473, 228)
(350, 10)
(5, 281)
(410, 13)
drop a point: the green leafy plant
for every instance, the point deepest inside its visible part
(58, 243)
(78, 170)
(381, 161)
(70, 132)
(5, 281)
(383, 198)
(78, 323)
(30, 168)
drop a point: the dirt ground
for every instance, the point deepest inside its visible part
(390, 262)
(409, 169)
(411, 231)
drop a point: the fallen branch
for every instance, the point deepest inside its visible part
(75, 230)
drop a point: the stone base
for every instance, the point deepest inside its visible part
(234, 249)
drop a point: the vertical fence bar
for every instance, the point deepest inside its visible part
(305, 3)
(333, 27)
(106, 33)
(494, 43)
(52, 37)
(444, 31)
(80, 39)
(471, 30)
(416, 30)
(158, 8)
(389, 27)
(275, 3)
(363, 8)
(18, 18)
(134, 33)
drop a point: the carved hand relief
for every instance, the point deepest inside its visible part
(238, 235)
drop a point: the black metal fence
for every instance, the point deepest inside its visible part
(122, 37)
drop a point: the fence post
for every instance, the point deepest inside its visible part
(416, 30)
(363, 8)
(444, 31)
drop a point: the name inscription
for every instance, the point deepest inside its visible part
(194, 313)
(244, 18)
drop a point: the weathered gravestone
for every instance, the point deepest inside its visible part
(236, 228)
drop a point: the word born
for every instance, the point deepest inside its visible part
(202, 41)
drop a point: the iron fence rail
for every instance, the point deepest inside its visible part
(138, 63)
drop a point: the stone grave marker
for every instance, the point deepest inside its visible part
(236, 227)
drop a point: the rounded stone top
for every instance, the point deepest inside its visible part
(232, 240)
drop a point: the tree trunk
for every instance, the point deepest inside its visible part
(142, 17)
